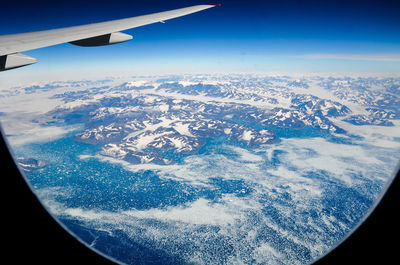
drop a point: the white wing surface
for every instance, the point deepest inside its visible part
(95, 34)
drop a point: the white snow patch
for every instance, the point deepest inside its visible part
(182, 128)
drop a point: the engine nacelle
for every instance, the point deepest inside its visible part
(15, 60)
(107, 39)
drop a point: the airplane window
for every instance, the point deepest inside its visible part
(259, 133)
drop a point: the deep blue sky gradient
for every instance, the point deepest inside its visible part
(274, 35)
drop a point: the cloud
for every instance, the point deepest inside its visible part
(283, 196)
(357, 57)
(40, 134)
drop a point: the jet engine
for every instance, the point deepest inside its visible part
(107, 39)
(15, 60)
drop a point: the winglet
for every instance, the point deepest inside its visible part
(216, 5)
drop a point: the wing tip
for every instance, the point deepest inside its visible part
(216, 5)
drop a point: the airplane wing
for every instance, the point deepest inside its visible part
(96, 34)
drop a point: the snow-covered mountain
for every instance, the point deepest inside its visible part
(144, 121)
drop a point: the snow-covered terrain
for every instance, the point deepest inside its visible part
(208, 169)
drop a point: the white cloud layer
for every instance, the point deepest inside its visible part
(40, 134)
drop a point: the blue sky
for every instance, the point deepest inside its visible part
(240, 36)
